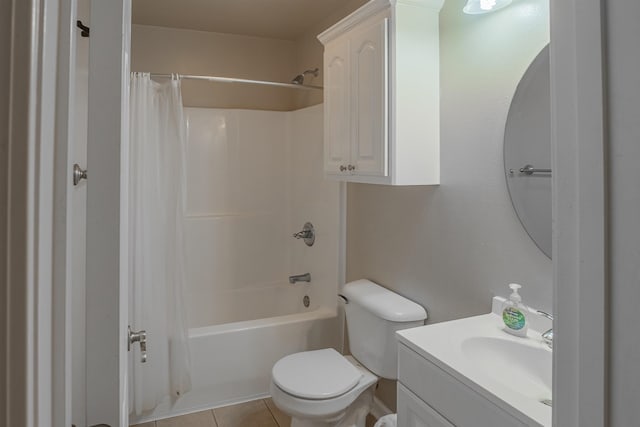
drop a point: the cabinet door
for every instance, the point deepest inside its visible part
(336, 107)
(369, 71)
(413, 412)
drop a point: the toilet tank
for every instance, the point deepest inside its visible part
(374, 314)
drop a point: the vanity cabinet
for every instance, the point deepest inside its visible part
(413, 412)
(430, 397)
(381, 96)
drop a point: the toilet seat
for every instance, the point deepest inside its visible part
(325, 409)
(316, 375)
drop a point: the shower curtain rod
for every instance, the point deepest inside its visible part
(234, 80)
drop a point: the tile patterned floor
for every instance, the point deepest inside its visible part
(257, 413)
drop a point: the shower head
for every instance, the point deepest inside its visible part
(299, 79)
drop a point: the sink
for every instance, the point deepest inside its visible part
(515, 373)
(522, 368)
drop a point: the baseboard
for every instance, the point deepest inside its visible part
(379, 409)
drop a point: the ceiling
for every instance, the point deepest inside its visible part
(280, 19)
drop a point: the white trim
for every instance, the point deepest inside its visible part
(379, 409)
(342, 258)
(29, 202)
(62, 249)
(107, 213)
(43, 202)
(579, 210)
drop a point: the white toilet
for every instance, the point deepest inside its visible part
(323, 388)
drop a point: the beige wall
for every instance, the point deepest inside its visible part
(453, 247)
(170, 50)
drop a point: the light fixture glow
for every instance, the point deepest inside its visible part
(487, 4)
(476, 7)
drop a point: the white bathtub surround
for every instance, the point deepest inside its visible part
(254, 178)
(157, 244)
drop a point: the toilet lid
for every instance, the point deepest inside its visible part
(319, 374)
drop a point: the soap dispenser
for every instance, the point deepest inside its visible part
(514, 313)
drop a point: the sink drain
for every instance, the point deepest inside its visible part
(547, 402)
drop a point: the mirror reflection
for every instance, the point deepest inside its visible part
(527, 152)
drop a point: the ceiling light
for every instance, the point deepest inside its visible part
(476, 7)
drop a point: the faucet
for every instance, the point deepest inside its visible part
(306, 277)
(547, 336)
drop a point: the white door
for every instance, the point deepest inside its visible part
(106, 229)
(369, 70)
(336, 107)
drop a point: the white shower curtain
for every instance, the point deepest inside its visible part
(157, 241)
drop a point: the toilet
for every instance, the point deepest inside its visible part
(323, 388)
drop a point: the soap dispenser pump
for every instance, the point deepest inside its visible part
(514, 313)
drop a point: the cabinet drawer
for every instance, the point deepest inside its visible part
(459, 404)
(413, 412)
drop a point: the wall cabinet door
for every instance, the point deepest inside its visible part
(382, 95)
(369, 111)
(336, 108)
(413, 412)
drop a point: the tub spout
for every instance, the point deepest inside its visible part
(306, 277)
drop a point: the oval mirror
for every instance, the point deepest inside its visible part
(527, 152)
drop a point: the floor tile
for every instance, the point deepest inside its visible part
(254, 414)
(197, 419)
(282, 419)
(149, 424)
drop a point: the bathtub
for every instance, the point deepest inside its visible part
(234, 306)
(226, 368)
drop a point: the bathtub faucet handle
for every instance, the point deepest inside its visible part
(308, 234)
(140, 337)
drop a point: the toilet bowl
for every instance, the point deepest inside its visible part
(323, 388)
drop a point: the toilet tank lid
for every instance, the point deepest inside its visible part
(382, 302)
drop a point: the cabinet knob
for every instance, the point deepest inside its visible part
(343, 168)
(78, 174)
(351, 167)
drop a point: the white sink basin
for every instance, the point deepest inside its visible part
(522, 368)
(513, 372)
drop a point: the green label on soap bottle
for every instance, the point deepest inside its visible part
(513, 318)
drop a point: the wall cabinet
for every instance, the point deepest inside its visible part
(381, 79)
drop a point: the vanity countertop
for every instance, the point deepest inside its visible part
(515, 373)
